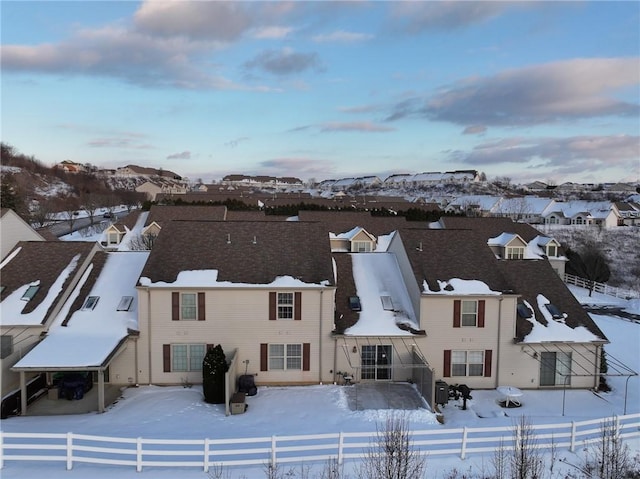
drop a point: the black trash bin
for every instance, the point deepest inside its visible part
(247, 385)
(442, 393)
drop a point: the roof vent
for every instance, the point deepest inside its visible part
(229, 239)
(255, 240)
(419, 248)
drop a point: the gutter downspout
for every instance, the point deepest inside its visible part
(149, 333)
(320, 342)
(499, 340)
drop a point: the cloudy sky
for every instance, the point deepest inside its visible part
(530, 90)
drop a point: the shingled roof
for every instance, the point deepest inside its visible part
(43, 261)
(242, 252)
(342, 221)
(162, 214)
(442, 254)
(530, 278)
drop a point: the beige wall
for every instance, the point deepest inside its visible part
(14, 229)
(237, 318)
(513, 364)
(24, 339)
(122, 369)
(437, 320)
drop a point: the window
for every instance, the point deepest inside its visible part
(469, 313)
(188, 307)
(467, 363)
(555, 312)
(515, 252)
(125, 303)
(285, 356)
(91, 302)
(6, 346)
(30, 293)
(187, 357)
(361, 246)
(555, 368)
(114, 238)
(285, 305)
(552, 250)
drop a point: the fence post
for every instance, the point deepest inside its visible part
(340, 446)
(273, 452)
(206, 455)
(139, 454)
(463, 452)
(572, 447)
(69, 451)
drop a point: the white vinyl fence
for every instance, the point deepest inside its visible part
(600, 287)
(205, 453)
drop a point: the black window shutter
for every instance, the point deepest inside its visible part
(201, 313)
(297, 303)
(175, 306)
(272, 306)
(306, 356)
(166, 358)
(447, 363)
(456, 313)
(264, 358)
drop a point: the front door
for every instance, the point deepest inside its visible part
(376, 361)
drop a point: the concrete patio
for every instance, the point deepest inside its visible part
(384, 395)
(46, 406)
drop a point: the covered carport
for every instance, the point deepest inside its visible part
(43, 360)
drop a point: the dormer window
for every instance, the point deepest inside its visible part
(552, 250)
(30, 293)
(515, 252)
(90, 303)
(361, 246)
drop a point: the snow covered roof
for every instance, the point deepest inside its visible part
(570, 209)
(49, 268)
(86, 337)
(377, 275)
(554, 330)
(537, 284)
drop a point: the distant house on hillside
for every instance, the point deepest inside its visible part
(262, 181)
(582, 213)
(133, 170)
(69, 166)
(157, 186)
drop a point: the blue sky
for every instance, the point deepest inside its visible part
(544, 91)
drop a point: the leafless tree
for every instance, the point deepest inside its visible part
(391, 455)
(41, 213)
(526, 461)
(90, 203)
(610, 457)
(142, 242)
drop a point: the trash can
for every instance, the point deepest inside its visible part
(442, 393)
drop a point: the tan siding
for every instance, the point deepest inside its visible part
(238, 318)
(14, 229)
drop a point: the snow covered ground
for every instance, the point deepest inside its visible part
(180, 413)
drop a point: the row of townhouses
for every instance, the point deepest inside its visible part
(310, 300)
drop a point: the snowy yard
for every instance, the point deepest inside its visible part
(180, 413)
